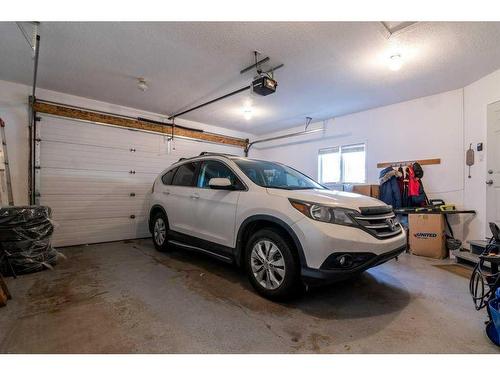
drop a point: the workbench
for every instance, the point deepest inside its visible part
(433, 211)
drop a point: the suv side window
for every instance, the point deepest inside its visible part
(184, 176)
(167, 177)
(215, 169)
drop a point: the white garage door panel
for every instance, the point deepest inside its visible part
(141, 229)
(85, 177)
(72, 156)
(72, 131)
(74, 207)
(74, 232)
(82, 182)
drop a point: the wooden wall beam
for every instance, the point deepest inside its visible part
(406, 162)
(80, 114)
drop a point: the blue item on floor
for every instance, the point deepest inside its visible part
(492, 333)
(493, 327)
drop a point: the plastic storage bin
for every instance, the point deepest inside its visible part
(493, 327)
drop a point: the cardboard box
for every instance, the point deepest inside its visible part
(427, 235)
(366, 189)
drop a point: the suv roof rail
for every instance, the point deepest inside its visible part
(204, 153)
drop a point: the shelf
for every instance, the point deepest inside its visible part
(467, 257)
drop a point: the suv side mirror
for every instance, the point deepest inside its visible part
(220, 184)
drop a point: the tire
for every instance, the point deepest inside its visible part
(159, 231)
(279, 277)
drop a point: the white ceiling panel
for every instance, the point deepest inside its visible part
(331, 68)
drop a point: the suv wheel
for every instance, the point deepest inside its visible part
(160, 231)
(271, 266)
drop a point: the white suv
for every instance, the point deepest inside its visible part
(285, 229)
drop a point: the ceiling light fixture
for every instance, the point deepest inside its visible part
(395, 62)
(141, 84)
(247, 113)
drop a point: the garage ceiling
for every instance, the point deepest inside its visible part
(331, 69)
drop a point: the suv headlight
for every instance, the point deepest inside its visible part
(334, 215)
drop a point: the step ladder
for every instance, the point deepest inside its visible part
(6, 196)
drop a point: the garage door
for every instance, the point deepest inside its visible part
(97, 178)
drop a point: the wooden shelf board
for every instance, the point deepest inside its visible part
(406, 162)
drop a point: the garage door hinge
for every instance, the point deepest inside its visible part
(132, 194)
(38, 139)
(131, 171)
(132, 150)
(38, 167)
(38, 118)
(132, 216)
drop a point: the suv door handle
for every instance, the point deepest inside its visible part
(195, 196)
(166, 192)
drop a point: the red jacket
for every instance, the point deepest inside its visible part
(413, 183)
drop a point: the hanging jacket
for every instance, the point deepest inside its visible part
(417, 169)
(389, 187)
(405, 199)
(416, 193)
(401, 184)
(401, 179)
(413, 183)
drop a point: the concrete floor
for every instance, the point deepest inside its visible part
(125, 297)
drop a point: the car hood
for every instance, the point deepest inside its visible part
(329, 197)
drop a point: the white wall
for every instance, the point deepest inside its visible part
(424, 128)
(477, 96)
(14, 111)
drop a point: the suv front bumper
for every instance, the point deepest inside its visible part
(319, 240)
(325, 275)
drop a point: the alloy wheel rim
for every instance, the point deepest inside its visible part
(160, 231)
(268, 264)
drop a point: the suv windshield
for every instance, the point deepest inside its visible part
(276, 176)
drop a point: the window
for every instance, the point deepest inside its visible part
(185, 175)
(274, 175)
(329, 165)
(215, 169)
(167, 177)
(342, 164)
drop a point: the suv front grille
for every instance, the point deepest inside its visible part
(380, 222)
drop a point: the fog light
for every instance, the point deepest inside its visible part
(345, 260)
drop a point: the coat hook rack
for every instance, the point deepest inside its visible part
(408, 162)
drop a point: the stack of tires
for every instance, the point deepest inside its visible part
(25, 239)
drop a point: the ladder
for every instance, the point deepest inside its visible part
(6, 197)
